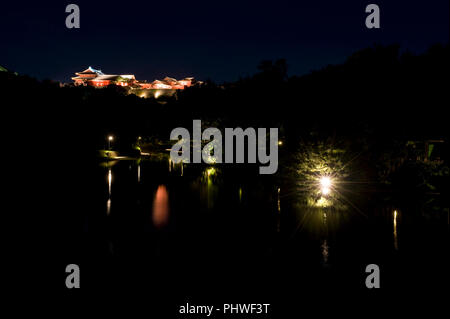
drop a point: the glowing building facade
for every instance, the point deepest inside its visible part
(97, 78)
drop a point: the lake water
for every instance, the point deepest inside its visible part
(216, 228)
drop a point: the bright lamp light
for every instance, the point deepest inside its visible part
(325, 182)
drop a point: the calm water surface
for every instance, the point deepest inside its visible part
(233, 225)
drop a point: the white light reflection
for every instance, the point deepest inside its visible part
(109, 181)
(139, 173)
(278, 201)
(108, 206)
(278, 210)
(108, 202)
(395, 230)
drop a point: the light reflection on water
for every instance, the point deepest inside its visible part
(325, 248)
(395, 230)
(139, 173)
(108, 202)
(319, 227)
(173, 167)
(109, 181)
(278, 201)
(108, 206)
(240, 194)
(161, 206)
(208, 187)
(278, 219)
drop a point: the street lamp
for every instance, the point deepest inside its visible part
(110, 138)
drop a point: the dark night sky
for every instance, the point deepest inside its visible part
(221, 40)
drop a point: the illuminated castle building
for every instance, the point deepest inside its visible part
(97, 78)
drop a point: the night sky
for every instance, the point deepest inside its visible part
(218, 40)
